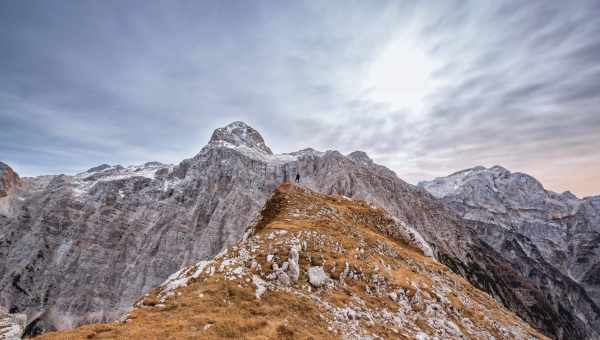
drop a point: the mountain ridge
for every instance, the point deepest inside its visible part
(328, 267)
(129, 228)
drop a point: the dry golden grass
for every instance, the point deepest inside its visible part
(226, 310)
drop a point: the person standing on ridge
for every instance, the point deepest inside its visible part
(298, 177)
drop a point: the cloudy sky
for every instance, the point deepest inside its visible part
(426, 89)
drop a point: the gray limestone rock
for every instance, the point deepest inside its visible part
(560, 229)
(293, 266)
(552, 238)
(240, 135)
(12, 326)
(317, 276)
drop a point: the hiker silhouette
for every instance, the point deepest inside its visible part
(298, 178)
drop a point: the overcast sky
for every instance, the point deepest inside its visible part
(425, 89)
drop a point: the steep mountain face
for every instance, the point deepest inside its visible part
(562, 229)
(558, 234)
(320, 267)
(79, 249)
(8, 179)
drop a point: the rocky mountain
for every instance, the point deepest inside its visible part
(558, 229)
(80, 249)
(320, 267)
(563, 228)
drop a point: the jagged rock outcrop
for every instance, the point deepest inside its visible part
(9, 183)
(551, 238)
(12, 326)
(8, 179)
(359, 279)
(79, 249)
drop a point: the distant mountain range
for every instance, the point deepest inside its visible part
(559, 231)
(81, 249)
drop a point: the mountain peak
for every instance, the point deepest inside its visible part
(240, 134)
(500, 170)
(496, 178)
(360, 157)
(568, 195)
(98, 168)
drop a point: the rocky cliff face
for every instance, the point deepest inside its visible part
(12, 326)
(320, 267)
(79, 249)
(553, 237)
(8, 179)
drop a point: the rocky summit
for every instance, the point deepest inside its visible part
(82, 248)
(240, 135)
(316, 266)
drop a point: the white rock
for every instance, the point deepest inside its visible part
(421, 336)
(317, 276)
(283, 278)
(293, 266)
(261, 285)
(12, 326)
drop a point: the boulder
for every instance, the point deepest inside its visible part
(317, 276)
